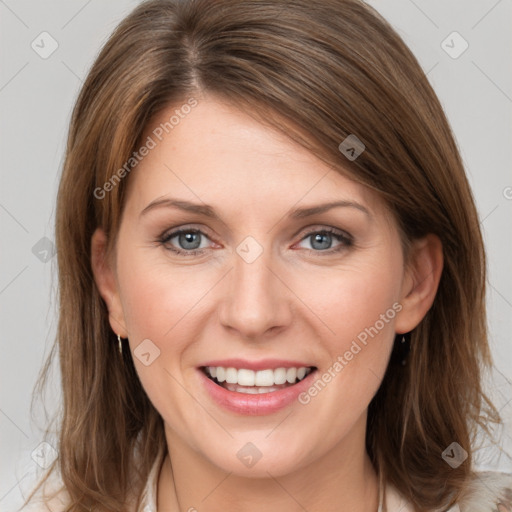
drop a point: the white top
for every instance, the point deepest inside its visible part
(488, 490)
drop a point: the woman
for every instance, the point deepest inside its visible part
(272, 276)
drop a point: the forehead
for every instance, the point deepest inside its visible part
(219, 154)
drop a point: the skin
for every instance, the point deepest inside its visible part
(295, 301)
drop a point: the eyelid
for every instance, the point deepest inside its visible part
(306, 232)
(345, 240)
(186, 227)
(329, 229)
(173, 232)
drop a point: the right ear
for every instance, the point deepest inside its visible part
(106, 281)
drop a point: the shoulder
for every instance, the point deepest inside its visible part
(487, 491)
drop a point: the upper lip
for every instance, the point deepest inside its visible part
(262, 364)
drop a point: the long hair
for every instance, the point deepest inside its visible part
(318, 71)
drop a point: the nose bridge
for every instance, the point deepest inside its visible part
(256, 300)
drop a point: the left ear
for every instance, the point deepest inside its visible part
(421, 280)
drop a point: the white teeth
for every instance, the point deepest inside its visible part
(257, 379)
(264, 378)
(291, 375)
(245, 377)
(250, 390)
(221, 374)
(231, 375)
(280, 376)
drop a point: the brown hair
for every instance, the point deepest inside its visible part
(327, 69)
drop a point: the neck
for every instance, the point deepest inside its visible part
(343, 479)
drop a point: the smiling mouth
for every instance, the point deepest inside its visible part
(256, 382)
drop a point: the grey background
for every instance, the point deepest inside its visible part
(36, 97)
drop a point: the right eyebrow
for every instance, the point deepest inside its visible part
(201, 209)
(208, 211)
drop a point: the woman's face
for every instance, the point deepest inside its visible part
(258, 282)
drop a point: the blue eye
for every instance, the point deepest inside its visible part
(193, 242)
(189, 241)
(321, 240)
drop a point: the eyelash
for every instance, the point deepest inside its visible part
(345, 238)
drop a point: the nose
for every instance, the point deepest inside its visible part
(256, 300)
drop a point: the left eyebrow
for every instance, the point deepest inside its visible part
(300, 213)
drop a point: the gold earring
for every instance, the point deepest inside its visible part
(120, 344)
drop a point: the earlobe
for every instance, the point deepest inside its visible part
(104, 277)
(421, 282)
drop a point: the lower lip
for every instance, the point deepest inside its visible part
(255, 405)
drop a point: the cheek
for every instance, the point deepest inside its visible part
(364, 324)
(351, 300)
(156, 297)
(160, 304)
(360, 311)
